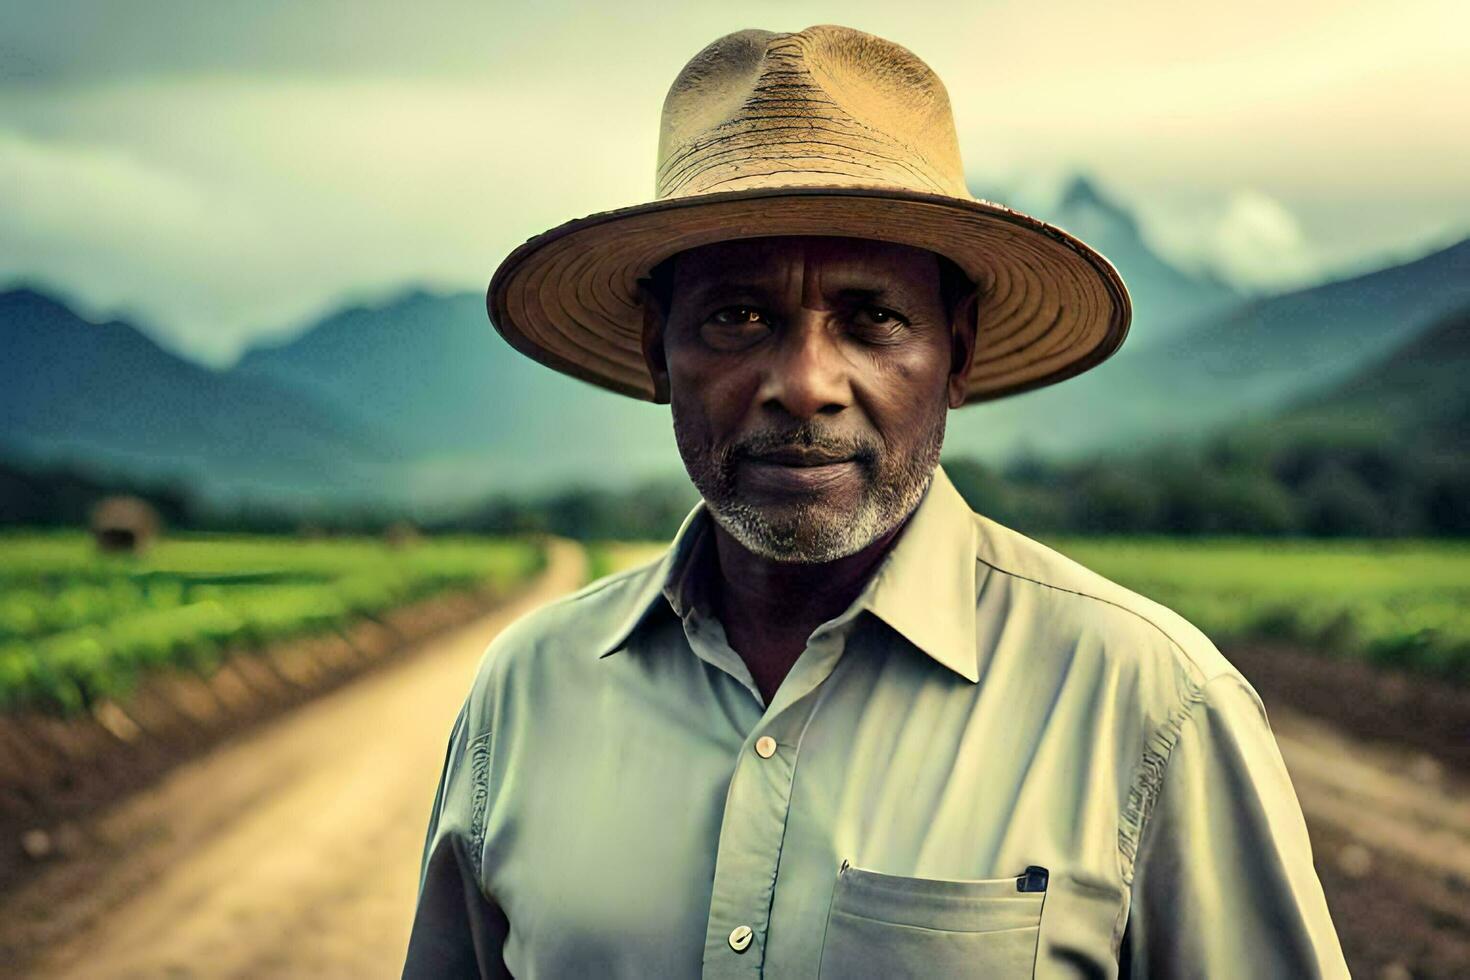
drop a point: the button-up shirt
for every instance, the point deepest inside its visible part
(994, 763)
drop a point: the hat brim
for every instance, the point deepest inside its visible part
(1051, 307)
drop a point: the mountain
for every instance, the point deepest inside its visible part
(418, 400)
(1416, 395)
(461, 409)
(1166, 300)
(1381, 452)
(1248, 363)
(105, 395)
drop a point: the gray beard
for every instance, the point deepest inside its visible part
(812, 531)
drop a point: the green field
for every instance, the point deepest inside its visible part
(77, 626)
(1398, 603)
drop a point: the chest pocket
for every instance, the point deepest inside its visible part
(890, 926)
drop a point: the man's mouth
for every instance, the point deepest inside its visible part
(800, 471)
(798, 456)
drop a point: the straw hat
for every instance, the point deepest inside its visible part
(827, 131)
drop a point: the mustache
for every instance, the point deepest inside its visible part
(804, 437)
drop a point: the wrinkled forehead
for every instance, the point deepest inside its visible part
(779, 257)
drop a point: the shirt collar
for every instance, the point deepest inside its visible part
(924, 588)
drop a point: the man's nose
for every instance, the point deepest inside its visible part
(807, 373)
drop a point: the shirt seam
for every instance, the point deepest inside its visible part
(950, 932)
(1179, 648)
(1148, 778)
(479, 753)
(1195, 696)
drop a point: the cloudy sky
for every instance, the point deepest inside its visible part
(229, 170)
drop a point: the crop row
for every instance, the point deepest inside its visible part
(77, 626)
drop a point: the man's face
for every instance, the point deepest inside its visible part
(809, 380)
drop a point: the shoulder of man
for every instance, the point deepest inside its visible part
(1081, 604)
(554, 634)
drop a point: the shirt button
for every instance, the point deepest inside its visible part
(765, 746)
(740, 938)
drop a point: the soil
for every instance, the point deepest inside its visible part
(1378, 704)
(1390, 829)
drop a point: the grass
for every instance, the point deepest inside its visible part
(1395, 603)
(78, 626)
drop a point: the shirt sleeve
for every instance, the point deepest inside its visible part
(1224, 884)
(458, 930)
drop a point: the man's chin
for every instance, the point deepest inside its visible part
(790, 516)
(806, 531)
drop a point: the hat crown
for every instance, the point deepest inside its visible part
(825, 106)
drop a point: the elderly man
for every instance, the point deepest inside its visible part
(844, 726)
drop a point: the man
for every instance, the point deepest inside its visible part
(844, 726)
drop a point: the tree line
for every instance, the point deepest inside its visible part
(1336, 486)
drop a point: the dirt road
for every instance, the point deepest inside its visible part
(1390, 834)
(293, 851)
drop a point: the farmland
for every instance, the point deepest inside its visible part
(78, 626)
(1393, 603)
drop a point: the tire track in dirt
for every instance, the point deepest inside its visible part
(292, 850)
(1390, 834)
(1403, 805)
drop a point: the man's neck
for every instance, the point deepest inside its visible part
(768, 609)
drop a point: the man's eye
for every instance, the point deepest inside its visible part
(736, 316)
(735, 327)
(879, 317)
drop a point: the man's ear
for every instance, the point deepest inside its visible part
(962, 333)
(654, 318)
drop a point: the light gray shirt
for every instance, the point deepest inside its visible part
(994, 763)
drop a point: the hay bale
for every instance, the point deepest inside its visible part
(402, 534)
(124, 524)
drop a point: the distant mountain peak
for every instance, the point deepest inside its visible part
(401, 312)
(1082, 194)
(1081, 189)
(31, 300)
(407, 297)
